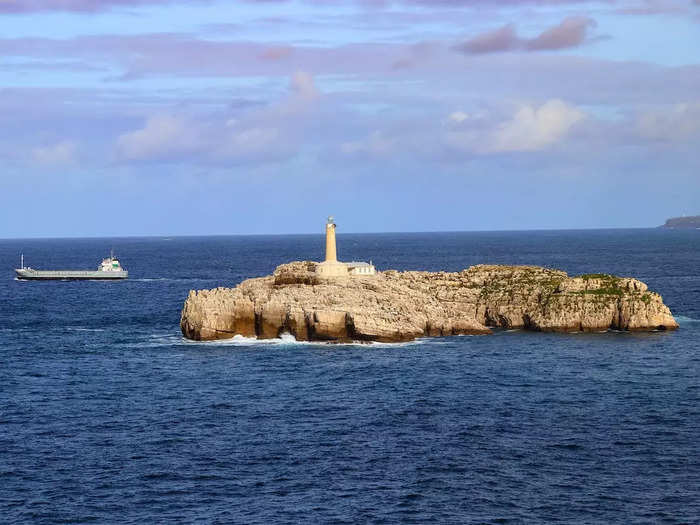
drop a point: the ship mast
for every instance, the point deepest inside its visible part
(21, 260)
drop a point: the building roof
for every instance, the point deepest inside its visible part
(355, 264)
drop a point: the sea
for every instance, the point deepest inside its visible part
(107, 415)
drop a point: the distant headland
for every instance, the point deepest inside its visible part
(683, 222)
(336, 301)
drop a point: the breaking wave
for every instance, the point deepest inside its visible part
(175, 339)
(289, 339)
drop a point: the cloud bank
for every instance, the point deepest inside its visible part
(57, 155)
(93, 6)
(78, 6)
(570, 32)
(267, 134)
(306, 96)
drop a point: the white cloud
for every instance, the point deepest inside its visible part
(534, 128)
(264, 134)
(251, 141)
(303, 85)
(677, 123)
(531, 128)
(162, 135)
(377, 144)
(458, 117)
(62, 154)
(303, 94)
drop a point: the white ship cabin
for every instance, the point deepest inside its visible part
(110, 264)
(361, 268)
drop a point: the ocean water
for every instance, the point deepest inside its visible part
(107, 415)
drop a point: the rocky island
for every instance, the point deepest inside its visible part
(396, 306)
(334, 301)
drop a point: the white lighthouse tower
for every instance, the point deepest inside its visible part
(331, 267)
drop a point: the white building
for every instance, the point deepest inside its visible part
(361, 268)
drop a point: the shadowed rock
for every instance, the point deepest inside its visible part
(401, 306)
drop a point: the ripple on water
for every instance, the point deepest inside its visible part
(109, 415)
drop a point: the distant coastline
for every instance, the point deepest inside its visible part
(683, 222)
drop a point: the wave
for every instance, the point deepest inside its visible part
(53, 329)
(682, 319)
(289, 339)
(239, 340)
(172, 279)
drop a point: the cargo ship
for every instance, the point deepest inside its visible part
(109, 270)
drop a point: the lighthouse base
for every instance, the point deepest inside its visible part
(332, 269)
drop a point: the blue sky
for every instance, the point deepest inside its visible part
(155, 117)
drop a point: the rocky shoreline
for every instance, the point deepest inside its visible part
(397, 306)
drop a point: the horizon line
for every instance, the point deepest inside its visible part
(320, 233)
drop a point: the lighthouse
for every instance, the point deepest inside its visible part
(331, 253)
(331, 267)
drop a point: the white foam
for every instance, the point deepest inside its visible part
(377, 344)
(682, 319)
(176, 339)
(288, 340)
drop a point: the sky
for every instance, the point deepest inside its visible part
(208, 117)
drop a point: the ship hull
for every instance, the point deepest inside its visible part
(70, 275)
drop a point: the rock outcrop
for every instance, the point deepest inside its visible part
(397, 306)
(692, 223)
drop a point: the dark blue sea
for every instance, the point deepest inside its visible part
(107, 415)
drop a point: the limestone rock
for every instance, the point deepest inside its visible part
(401, 306)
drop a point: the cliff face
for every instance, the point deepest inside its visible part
(400, 306)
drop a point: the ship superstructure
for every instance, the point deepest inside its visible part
(110, 269)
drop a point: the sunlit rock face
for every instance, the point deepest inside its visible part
(396, 306)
